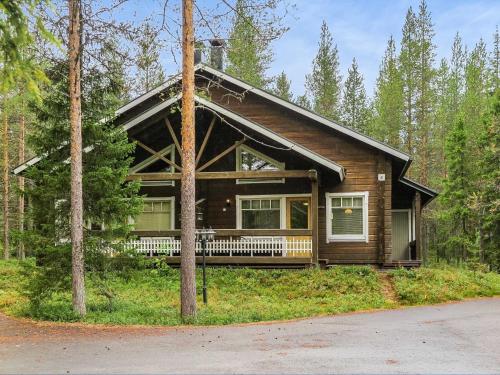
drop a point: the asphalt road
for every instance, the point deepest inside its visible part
(453, 338)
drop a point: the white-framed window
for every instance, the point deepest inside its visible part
(263, 211)
(169, 153)
(248, 159)
(158, 214)
(347, 217)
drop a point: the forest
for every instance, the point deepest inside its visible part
(444, 113)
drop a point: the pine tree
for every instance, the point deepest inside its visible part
(388, 101)
(282, 87)
(354, 102)
(303, 101)
(323, 84)
(425, 96)
(149, 70)
(408, 60)
(248, 51)
(495, 63)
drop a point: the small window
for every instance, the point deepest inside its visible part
(157, 215)
(248, 159)
(261, 213)
(347, 216)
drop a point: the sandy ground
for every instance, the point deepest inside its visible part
(452, 338)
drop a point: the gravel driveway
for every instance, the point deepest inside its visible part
(452, 338)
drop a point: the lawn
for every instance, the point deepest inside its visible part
(151, 296)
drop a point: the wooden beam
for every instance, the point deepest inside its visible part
(172, 134)
(418, 221)
(205, 140)
(314, 219)
(230, 175)
(247, 261)
(221, 155)
(158, 154)
(231, 232)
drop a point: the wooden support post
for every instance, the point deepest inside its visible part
(418, 220)
(381, 208)
(172, 134)
(205, 140)
(314, 218)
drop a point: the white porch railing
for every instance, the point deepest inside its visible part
(250, 246)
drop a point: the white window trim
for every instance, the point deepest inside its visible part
(281, 197)
(131, 220)
(280, 165)
(346, 237)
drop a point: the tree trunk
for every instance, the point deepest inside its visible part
(188, 260)
(75, 117)
(20, 249)
(5, 147)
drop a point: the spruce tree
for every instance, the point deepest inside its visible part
(282, 87)
(149, 70)
(323, 84)
(354, 101)
(388, 100)
(495, 63)
(248, 51)
(456, 192)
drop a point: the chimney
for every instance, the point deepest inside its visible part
(217, 53)
(198, 52)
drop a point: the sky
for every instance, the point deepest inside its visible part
(360, 29)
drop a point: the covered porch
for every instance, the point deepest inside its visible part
(286, 245)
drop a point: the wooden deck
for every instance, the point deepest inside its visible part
(247, 261)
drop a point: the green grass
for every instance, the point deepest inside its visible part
(244, 295)
(441, 284)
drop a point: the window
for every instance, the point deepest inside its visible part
(260, 213)
(347, 216)
(298, 213)
(248, 159)
(157, 215)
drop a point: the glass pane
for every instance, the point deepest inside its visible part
(347, 221)
(251, 162)
(265, 204)
(265, 219)
(275, 203)
(299, 214)
(336, 202)
(347, 202)
(147, 207)
(255, 204)
(357, 201)
(245, 204)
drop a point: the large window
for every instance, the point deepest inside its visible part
(157, 215)
(154, 163)
(260, 213)
(248, 159)
(347, 216)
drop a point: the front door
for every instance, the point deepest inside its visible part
(401, 234)
(298, 216)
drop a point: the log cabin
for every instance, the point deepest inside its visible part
(281, 186)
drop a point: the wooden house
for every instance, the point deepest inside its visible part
(280, 185)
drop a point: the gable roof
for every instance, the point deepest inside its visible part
(307, 113)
